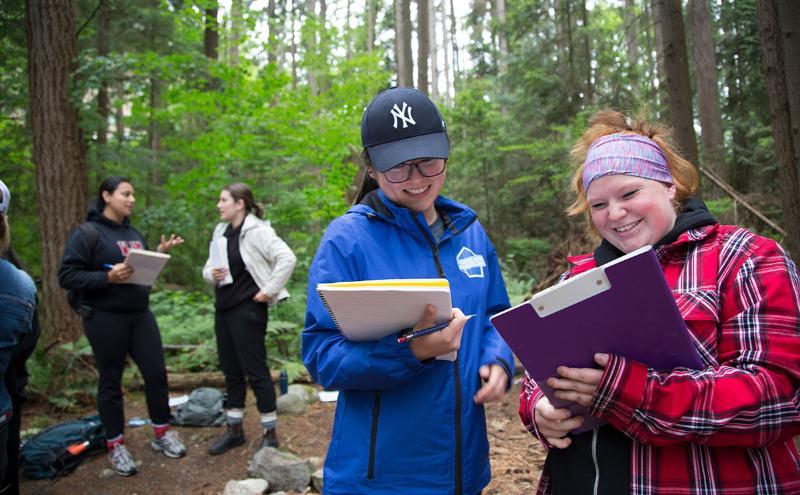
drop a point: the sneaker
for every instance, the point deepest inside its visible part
(170, 444)
(122, 461)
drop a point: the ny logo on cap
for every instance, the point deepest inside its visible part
(397, 113)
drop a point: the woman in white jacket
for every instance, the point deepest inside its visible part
(249, 265)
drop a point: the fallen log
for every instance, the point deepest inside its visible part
(191, 381)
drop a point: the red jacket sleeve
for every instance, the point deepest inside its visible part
(749, 396)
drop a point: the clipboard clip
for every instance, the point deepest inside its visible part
(570, 292)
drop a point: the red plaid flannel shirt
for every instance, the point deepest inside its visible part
(726, 429)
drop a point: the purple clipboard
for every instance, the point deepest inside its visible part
(624, 307)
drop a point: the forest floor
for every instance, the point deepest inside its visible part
(516, 457)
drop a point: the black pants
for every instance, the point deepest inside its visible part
(113, 336)
(241, 331)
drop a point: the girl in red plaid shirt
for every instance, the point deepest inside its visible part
(724, 429)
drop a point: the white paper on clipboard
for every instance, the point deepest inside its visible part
(219, 258)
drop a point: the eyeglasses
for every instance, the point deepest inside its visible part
(427, 167)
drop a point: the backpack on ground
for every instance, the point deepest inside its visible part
(204, 408)
(90, 232)
(60, 448)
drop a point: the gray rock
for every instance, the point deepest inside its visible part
(283, 471)
(291, 404)
(252, 486)
(305, 392)
(106, 474)
(316, 480)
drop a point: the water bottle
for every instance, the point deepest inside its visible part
(284, 382)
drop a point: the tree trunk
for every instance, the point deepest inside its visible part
(587, 55)
(402, 33)
(705, 63)
(668, 21)
(119, 114)
(454, 41)
(654, 69)
(294, 42)
(423, 45)
(774, 61)
(434, 49)
(789, 15)
(372, 16)
(57, 152)
(103, 99)
(738, 169)
(446, 48)
(502, 37)
(211, 34)
(235, 36)
(310, 44)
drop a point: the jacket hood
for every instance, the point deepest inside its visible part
(95, 215)
(695, 214)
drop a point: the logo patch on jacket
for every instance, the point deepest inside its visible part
(470, 263)
(126, 246)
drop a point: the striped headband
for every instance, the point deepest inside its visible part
(627, 154)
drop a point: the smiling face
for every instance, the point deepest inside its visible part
(119, 204)
(631, 212)
(417, 193)
(229, 209)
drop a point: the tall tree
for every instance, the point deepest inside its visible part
(423, 44)
(668, 21)
(103, 99)
(446, 47)
(774, 58)
(235, 34)
(211, 33)
(434, 49)
(789, 16)
(57, 150)
(454, 49)
(705, 63)
(372, 16)
(502, 36)
(402, 36)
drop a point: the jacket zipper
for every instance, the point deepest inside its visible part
(456, 373)
(596, 465)
(376, 407)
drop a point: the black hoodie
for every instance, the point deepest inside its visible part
(598, 461)
(83, 266)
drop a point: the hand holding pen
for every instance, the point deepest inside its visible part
(437, 342)
(118, 273)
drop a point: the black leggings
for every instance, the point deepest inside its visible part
(113, 336)
(241, 331)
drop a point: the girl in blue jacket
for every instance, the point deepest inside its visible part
(406, 422)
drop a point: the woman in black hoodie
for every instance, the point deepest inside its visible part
(117, 319)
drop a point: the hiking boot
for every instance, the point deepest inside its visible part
(270, 438)
(233, 437)
(122, 461)
(170, 444)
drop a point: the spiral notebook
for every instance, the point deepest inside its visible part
(372, 309)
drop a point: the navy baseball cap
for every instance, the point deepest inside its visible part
(5, 197)
(402, 124)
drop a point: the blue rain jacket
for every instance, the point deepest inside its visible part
(403, 426)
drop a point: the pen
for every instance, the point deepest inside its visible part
(410, 335)
(108, 265)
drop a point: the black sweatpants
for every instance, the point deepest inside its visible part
(241, 331)
(113, 336)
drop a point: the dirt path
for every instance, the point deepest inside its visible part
(516, 457)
